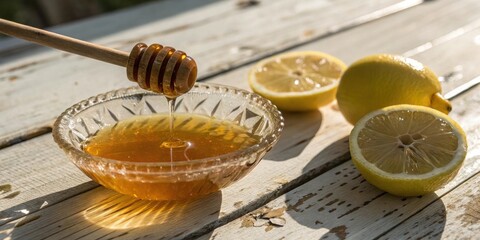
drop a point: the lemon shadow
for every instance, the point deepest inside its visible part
(339, 196)
(335, 222)
(299, 129)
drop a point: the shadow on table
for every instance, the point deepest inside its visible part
(349, 220)
(299, 129)
(339, 198)
(34, 205)
(102, 213)
(124, 215)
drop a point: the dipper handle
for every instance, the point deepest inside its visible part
(156, 68)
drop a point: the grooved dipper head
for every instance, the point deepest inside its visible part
(161, 69)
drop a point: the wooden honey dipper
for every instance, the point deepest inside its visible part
(157, 68)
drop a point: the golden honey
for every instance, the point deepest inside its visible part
(149, 139)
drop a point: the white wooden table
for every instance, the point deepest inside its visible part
(307, 178)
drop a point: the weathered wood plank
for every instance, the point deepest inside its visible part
(106, 24)
(340, 204)
(110, 215)
(454, 216)
(38, 173)
(219, 36)
(307, 156)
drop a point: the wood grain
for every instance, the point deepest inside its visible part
(340, 204)
(108, 24)
(40, 173)
(311, 145)
(38, 87)
(454, 216)
(64, 43)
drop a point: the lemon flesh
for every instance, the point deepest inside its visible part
(297, 81)
(383, 80)
(408, 150)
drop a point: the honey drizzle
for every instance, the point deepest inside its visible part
(173, 142)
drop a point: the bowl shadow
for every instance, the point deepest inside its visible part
(107, 214)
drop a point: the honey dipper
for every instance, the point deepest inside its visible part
(157, 68)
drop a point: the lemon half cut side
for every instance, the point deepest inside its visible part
(408, 150)
(297, 81)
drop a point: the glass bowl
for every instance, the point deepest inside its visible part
(169, 180)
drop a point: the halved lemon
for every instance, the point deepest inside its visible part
(297, 81)
(408, 150)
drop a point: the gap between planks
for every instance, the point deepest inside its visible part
(454, 216)
(45, 128)
(398, 6)
(461, 41)
(326, 207)
(336, 166)
(427, 206)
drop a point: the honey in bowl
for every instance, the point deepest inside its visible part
(234, 114)
(150, 139)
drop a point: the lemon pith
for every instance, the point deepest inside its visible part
(383, 80)
(297, 81)
(408, 150)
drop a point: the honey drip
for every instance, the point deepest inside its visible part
(173, 142)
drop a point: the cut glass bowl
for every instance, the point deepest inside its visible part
(169, 180)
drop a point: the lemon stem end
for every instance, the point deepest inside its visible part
(440, 103)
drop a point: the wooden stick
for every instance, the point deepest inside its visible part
(155, 68)
(64, 43)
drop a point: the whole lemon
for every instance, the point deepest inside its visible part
(383, 80)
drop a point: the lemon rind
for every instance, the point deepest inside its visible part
(295, 96)
(264, 90)
(445, 170)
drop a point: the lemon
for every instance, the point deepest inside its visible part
(297, 81)
(407, 150)
(383, 80)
